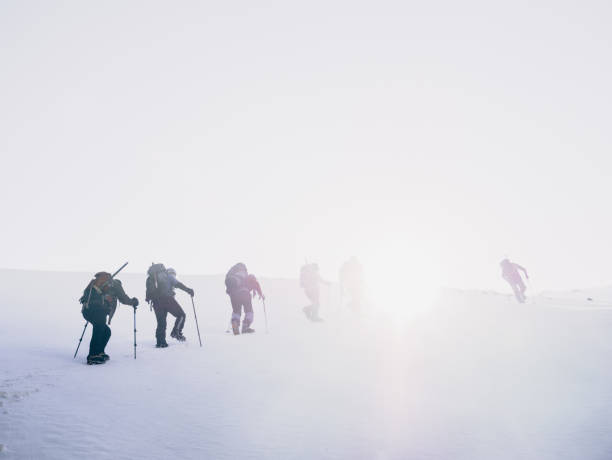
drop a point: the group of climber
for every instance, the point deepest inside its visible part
(351, 285)
(100, 297)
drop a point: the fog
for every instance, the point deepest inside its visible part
(429, 140)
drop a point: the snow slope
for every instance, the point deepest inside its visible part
(477, 376)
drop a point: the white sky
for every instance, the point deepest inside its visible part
(434, 137)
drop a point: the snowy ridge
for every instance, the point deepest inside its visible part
(477, 376)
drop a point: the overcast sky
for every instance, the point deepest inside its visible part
(430, 139)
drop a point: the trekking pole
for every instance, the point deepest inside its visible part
(134, 332)
(263, 301)
(531, 294)
(86, 322)
(80, 340)
(196, 320)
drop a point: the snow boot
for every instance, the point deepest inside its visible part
(236, 327)
(308, 311)
(95, 359)
(105, 356)
(247, 330)
(161, 344)
(178, 336)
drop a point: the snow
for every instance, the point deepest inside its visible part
(477, 376)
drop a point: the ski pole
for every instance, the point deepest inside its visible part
(134, 332)
(263, 301)
(86, 322)
(80, 340)
(196, 320)
(531, 294)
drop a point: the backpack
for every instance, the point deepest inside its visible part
(236, 278)
(102, 281)
(158, 282)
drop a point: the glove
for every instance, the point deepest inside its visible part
(134, 302)
(190, 292)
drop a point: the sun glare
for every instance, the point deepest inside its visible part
(401, 279)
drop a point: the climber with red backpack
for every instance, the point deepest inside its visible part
(239, 285)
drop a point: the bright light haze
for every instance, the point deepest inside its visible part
(431, 137)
